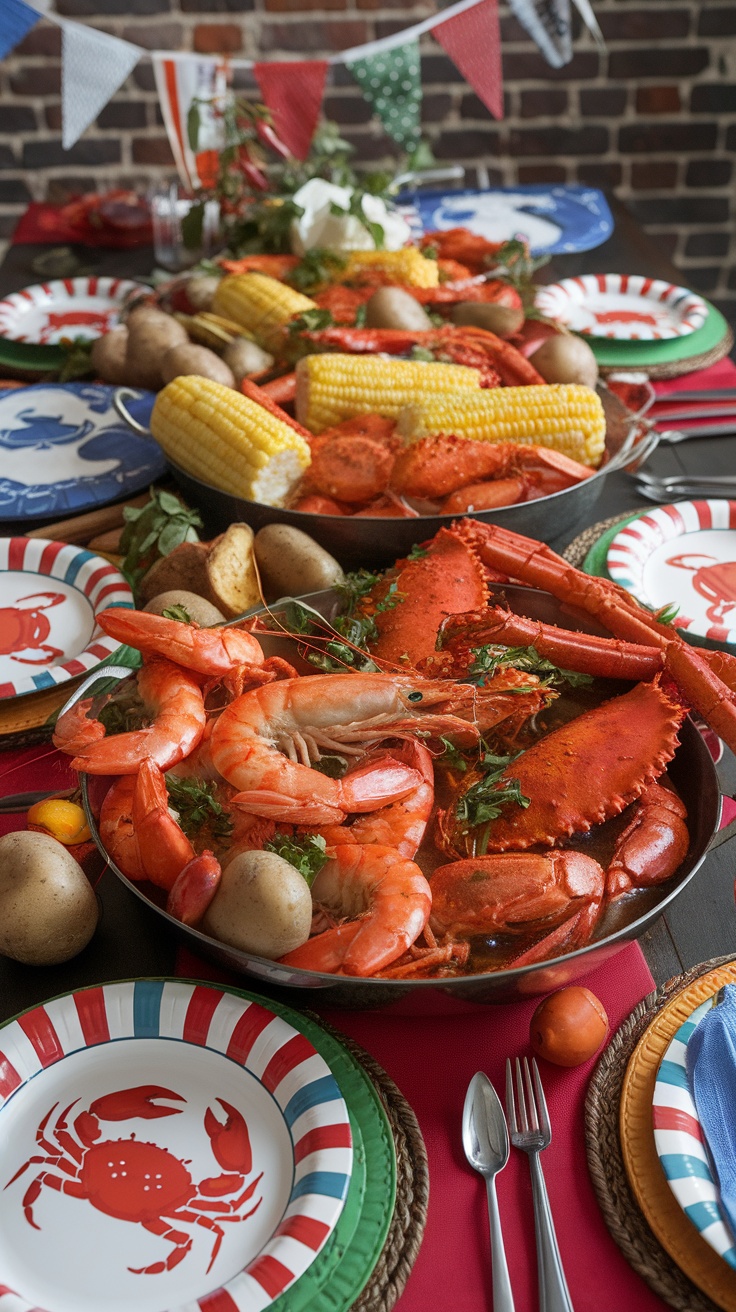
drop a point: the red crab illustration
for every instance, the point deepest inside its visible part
(25, 628)
(715, 580)
(76, 319)
(142, 1182)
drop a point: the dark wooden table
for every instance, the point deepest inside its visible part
(702, 923)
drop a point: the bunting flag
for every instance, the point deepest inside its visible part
(473, 42)
(93, 66)
(293, 92)
(180, 80)
(16, 20)
(548, 23)
(390, 81)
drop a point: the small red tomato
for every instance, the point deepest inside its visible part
(569, 1026)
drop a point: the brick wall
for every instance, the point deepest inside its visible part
(654, 119)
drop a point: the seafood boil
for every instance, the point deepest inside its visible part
(456, 789)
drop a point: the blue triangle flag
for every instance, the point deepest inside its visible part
(16, 18)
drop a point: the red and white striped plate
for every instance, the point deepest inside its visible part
(626, 306)
(683, 555)
(164, 1145)
(50, 593)
(69, 307)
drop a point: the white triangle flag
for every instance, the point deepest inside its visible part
(93, 66)
(548, 23)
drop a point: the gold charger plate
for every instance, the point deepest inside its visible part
(666, 1219)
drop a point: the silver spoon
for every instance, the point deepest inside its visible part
(486, 1145)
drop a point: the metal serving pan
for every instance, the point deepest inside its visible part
(692, 771)
(378, 542)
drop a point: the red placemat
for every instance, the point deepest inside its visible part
(722, 374)
(52, 224)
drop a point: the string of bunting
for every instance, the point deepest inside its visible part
(95, 64)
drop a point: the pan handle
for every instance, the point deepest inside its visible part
(119, 398)
(116, 673)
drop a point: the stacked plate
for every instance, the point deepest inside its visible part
(637, 323)
(33, 321)
(167, 1144)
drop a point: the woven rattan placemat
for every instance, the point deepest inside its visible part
(412, 1187)
(578, 549)
(622, 1215)
(676, 368)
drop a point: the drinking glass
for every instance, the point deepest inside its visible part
(170, 204)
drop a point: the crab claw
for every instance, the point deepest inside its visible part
(231, 1141)
(127, 1103)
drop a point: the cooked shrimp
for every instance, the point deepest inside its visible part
(264, 743)
(215, 652)
(174, 698)
(75, 731)
(139, 831)
(387, 900)
(401, 824)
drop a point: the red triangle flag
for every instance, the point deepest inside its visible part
(293, 92)
(473, 42)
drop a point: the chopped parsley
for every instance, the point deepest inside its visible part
(197, 807)
(491, 658)
(179, 613)
(307, 854)
(485, 800)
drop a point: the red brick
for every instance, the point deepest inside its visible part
(217, 38)
(52, 115)
(303, 6)
(600, 175)
(30, 80)
(603, 102)
(542, 173)
(653, 175)
(657, 100)
(547, 103)
(459, 143)
(310, 38)
(678, 137)
(700, 244)
(160, 36)
(584, 64)
(381, 4)
(703, 278)
(658, 61)
(708, 173)
(645, 24)
(720, 21)
(43, 39)
(558, 141)
(152, 150)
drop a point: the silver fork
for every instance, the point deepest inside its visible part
(534, 1135)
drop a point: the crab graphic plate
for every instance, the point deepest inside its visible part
(50, 594)
(63, 449)
(211, 1098)
(68, 307)
(554, 220)
(624, 306)
(683, 555)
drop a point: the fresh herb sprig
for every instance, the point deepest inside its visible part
(485, 800)
(489, 659)
(316, 269)
(307, 854)
(154, 530)
(197, 807)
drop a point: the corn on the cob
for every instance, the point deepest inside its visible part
(227, 440)
(261, 304)
(330, 388)
(407, 267)
(565, 416)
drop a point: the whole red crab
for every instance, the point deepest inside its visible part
(142, 1182)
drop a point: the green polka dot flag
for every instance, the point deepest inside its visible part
(391, 83)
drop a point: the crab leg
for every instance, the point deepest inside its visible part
(72, 1187)
(179, 1238)
(601, 657)
(535, 564)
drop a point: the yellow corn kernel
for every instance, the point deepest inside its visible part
(260, 304)
(565, 416)
(227, 440)
(407, 267)
(62, 819)
(330, 388)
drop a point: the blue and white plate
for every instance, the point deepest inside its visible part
(554, 220)
(680, 1143)
(63, 449)
(164, 1145)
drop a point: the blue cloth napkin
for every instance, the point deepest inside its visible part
(711, 1068)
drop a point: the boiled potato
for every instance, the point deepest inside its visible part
(503, 320)
(48, 911)
(199, 610)
(262, 905)
(199, 360)
(246, 358)
(292, 563)
(565, 358)
(200, 289)
(108, 353)
(151, 333)
(184, 569)
(391, 307)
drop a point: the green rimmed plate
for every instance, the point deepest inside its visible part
(612, 354)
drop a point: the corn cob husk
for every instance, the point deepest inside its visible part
(330, 388)
(211, 329)
(565, 416)
(260, 304)
(227, 440)
(406, 267)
